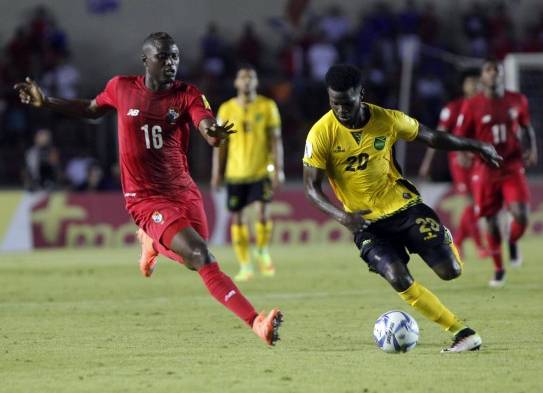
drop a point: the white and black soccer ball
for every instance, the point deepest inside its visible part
(396, 331)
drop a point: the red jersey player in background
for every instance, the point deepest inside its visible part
(500, 117)
(460, 165)
(154, 114)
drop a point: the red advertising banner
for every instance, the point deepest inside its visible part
(100, 220)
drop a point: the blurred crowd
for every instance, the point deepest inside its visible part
(291, 72)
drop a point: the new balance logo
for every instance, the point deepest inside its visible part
(133, 112)
(229, 295)
(339, 149)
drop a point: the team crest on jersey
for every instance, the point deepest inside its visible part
(513, 113)
(172, 115)
(486, 119)
(157, 217)
(379, 142)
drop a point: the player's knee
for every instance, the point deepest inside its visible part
(396, 274)
(197, 257)
(449, 271)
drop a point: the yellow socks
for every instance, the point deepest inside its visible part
(263, 234)
(431, 307)
(240, 242)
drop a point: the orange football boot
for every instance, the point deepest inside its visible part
(148, 253)
(267, 327)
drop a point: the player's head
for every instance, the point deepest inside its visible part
(246, 80)
(345, 93)
(492, 74)
(470, 82)
(160, 56)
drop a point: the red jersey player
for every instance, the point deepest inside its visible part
(500, 117)
(154, 113)
(460, 165)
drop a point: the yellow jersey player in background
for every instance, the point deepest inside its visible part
(353, 145)
(251, 165)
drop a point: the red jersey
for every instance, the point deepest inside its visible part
(153, 134)
(449, 115)
(496, 121)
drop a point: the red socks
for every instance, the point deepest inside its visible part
(517, 230)
(494, 246)
(222, 288)
(468, 228)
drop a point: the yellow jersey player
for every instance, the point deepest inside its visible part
(353, 145)
(251, 164)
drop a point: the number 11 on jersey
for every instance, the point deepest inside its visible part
(155, 138)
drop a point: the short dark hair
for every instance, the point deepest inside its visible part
(159, 36)
(245, 66)
(342, 77)
(469, 73)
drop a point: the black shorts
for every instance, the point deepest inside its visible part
(416, 229)
(243, 194)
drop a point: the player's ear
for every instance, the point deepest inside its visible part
(362, 94)
(143, 58)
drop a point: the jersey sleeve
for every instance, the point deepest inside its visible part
(317, 146)
(524, 113)
(465, 125)
(446, 120)
(274, 118)
(108, 97)
(198, 107)
(405, 126)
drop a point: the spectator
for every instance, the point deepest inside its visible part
(62, 79)
(249, 47)
(320, 56)
(95, 180)
(42, 163)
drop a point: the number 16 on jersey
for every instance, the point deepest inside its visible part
(154, 138)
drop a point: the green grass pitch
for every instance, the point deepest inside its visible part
(86, 321)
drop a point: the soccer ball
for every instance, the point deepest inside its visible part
(395, 332)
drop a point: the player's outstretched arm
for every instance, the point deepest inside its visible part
(531, 154)
(218, 165)
(354, 221)
(445, 141)
(30, 93)
(276, 143)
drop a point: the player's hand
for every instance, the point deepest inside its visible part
(278, 178)
(30, 93)
(355, 222)
(530, 157)
(490, 155)
(221, 131)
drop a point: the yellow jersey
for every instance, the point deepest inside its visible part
(248, 150)
(360, 163)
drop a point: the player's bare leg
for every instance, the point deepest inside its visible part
(190, 246)
(241, 243)
(494, 246)
(263, 235)
(518, 225)
(148, 257)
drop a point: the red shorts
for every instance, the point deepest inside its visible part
(461, 176)
(162, 218)
(493, 189)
